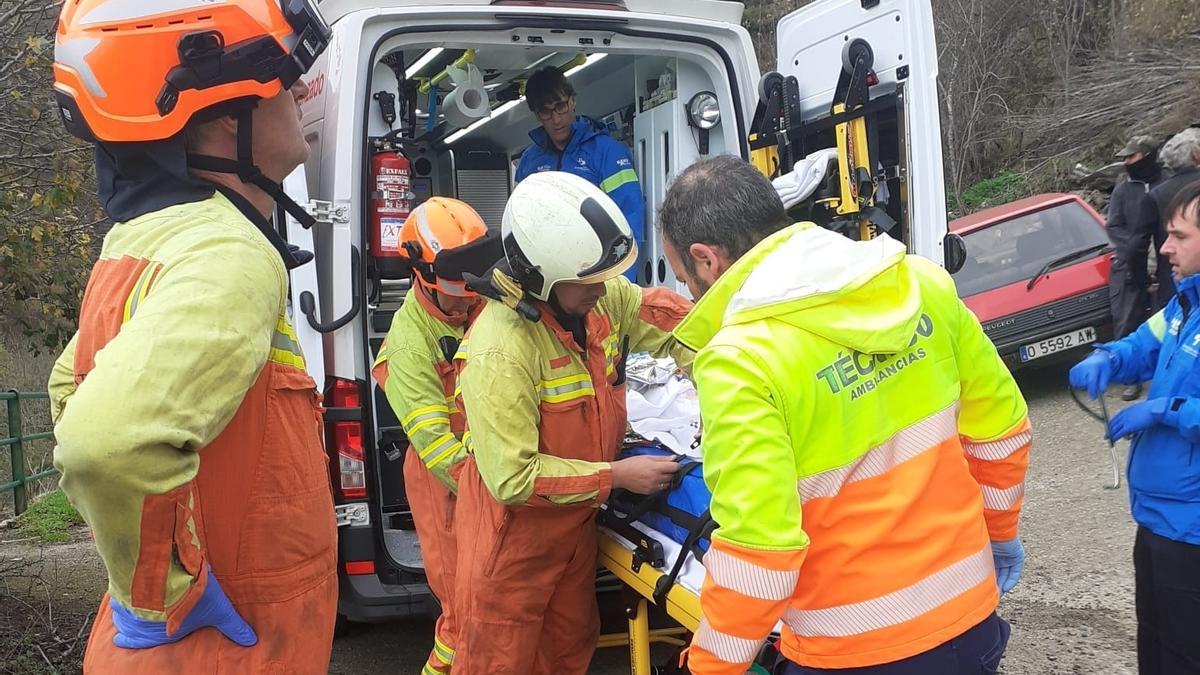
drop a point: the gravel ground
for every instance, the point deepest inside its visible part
(1071, 613)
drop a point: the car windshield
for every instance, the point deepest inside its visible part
(1015, 250)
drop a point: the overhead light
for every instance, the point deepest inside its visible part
(594, 58)
(423, 61)
(475, 125)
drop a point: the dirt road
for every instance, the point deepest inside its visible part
(1072, 612)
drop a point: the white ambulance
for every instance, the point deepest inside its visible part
(414, 98)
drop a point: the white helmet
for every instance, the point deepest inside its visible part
(559, 227)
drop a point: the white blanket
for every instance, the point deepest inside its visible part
(662, 404)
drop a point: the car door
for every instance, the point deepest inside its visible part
(809, 45)
(303, 280)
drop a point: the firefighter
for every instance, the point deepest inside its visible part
(846, 382)
(545, 405)
(189, 434)
(443, 237)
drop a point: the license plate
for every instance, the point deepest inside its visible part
(1058, 343)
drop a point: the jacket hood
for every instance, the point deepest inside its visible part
(859, 294)
(583, 129)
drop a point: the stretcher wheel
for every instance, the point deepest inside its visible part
(853, 50)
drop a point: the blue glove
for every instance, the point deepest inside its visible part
(213, 609)
(1092, 374)
(1009, 558)
(1137, 417)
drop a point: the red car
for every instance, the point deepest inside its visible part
(1036, 276)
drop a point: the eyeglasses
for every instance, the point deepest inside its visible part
(557, 108)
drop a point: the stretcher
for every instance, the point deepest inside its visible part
(680, 602)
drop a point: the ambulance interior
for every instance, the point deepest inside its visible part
(465, 143)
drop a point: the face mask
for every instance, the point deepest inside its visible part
(1145, 169)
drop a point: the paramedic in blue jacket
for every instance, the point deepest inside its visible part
(579, 145)
(1164, 459)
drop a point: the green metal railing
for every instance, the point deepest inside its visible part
(16, 447)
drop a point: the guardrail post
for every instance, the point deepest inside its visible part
(17, 453)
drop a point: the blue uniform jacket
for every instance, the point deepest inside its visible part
(1164, 460)
(594, 155)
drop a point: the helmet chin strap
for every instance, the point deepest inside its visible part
(245, 169)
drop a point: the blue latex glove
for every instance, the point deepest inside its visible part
(213, 609)
(1092, 374)
(1137, 417)
(1009, 558)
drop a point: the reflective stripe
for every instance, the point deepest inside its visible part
(728, 648)
(897, 607)
(445, 455)
(423, 417)
(467, 442)
(140, 290)
(618, 179)
(994, 451)
(285, 346)
(431, 239)
(429, 670)
(437, 446)
(1158, 325)
(995, 499)
(444, 653)
(903, 446)
(566, 388)
(461, 354)
(115, 11)
(74, 54)
(748, 579)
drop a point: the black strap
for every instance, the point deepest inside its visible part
(245, 169)
(690, 544)
(645, 548)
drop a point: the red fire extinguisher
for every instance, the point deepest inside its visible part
(391, 202)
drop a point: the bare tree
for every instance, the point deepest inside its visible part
(974, 57)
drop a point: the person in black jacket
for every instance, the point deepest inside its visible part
(1181, 157)
(1129, 281)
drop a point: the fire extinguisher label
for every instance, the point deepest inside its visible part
(390, 232)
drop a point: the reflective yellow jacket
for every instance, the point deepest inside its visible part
(863, 442)
(545, 415)
(415, 368)
(183, 317)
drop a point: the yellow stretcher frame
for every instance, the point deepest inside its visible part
(680, 604)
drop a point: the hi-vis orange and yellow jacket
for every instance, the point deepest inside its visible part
(863, 443)
(189, 436)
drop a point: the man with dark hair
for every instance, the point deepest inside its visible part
(1164, 476)
(580, 145)
(1129, 282)
(847, 381)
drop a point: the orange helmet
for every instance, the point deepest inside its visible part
(435, 237)
(139, 70)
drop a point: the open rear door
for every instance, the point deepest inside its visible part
(810, 45)
(304, 280)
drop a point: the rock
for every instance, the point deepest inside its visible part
(1102, 179)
